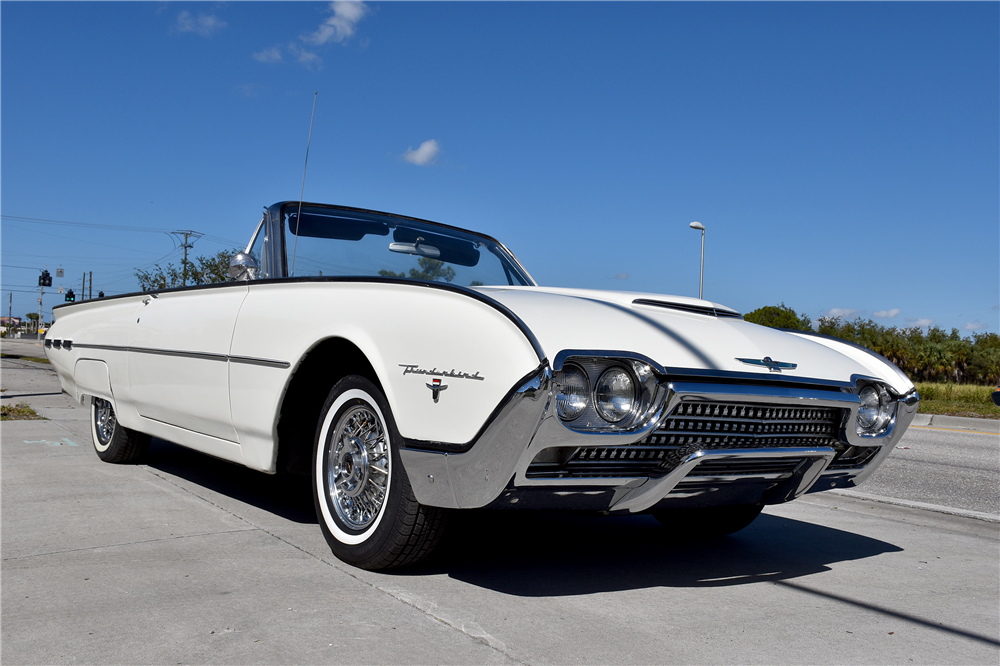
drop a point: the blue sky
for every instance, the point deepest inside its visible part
(844, 157)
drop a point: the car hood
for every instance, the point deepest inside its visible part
(669, 331)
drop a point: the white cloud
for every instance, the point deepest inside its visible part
(974, 326)
(886, 314)
(203, 24)
(843, 313)
(621, 276)
(272, 54)
(340, 26)
(308, 59)
(427, 151)
(921, 323)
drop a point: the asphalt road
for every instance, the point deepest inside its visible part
(188, 559)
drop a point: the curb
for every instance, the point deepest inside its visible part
(937, 508)
(956, 422)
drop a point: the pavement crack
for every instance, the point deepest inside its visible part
(204, 499)
(428, 608)
(119, 545)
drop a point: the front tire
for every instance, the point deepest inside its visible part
(363, 499)
(709, 522)
(113, 442)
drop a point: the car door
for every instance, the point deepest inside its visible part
(178, 358)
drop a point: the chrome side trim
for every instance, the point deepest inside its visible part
(204, 356)
(266, 362)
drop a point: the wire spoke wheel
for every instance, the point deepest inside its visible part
(113, 442)
(358, 467)
(363, 498)
(104, 421)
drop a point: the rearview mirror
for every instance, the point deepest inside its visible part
(417, 247)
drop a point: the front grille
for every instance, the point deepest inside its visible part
(706, 426)
(727, 425)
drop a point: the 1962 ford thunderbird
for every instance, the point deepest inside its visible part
(431, 373)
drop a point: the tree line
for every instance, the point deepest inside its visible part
(931, 356)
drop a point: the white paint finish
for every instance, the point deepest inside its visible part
(392, 324)
(191, 393)
(599, 320)
(875, 366)
(105, 323)
(92, 379)
(213, 446)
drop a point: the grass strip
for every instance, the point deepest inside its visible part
(18, 412)
(957, 400)
(25, 358)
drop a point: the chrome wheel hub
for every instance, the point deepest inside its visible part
(105, 420)
(358, 467)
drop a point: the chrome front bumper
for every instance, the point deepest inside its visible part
(497, 465)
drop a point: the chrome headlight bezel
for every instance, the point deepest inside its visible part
(876, 410)
(647, 392)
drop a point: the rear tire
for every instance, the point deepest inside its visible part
(363, 499)
(708, 522)
(113, 442)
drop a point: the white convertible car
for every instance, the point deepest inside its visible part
(408, 368)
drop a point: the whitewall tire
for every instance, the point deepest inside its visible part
(363, 499)
(113, 442)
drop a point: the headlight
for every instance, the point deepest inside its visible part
(874, 411)
(614, 395)
(574, 393)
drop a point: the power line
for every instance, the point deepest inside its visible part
(111, 227)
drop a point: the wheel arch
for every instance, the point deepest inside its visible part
(327, 362)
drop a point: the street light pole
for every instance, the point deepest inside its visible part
(701, 280)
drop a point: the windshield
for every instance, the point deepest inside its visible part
(344, 243)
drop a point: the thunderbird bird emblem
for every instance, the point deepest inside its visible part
(436, 387)
(773, 366)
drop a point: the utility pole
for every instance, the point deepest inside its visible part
(187, 246)
(10, 312)
(83, 287)
(90, 292)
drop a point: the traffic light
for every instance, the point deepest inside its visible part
(70, 296)
(45, 280)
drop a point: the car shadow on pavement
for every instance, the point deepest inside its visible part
(541, 553)
(289, 497)
(551, 553)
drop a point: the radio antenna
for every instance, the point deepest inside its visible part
(298, 215)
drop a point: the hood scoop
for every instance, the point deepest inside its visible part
(689, 308)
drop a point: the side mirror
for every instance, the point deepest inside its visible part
(243, 267)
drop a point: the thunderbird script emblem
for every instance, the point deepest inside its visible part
(436, 387)
(773, 366)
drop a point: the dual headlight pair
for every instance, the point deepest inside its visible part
(613, 395)
(595, 393)
(876, 410)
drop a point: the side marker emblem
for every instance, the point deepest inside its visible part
(436, 387)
